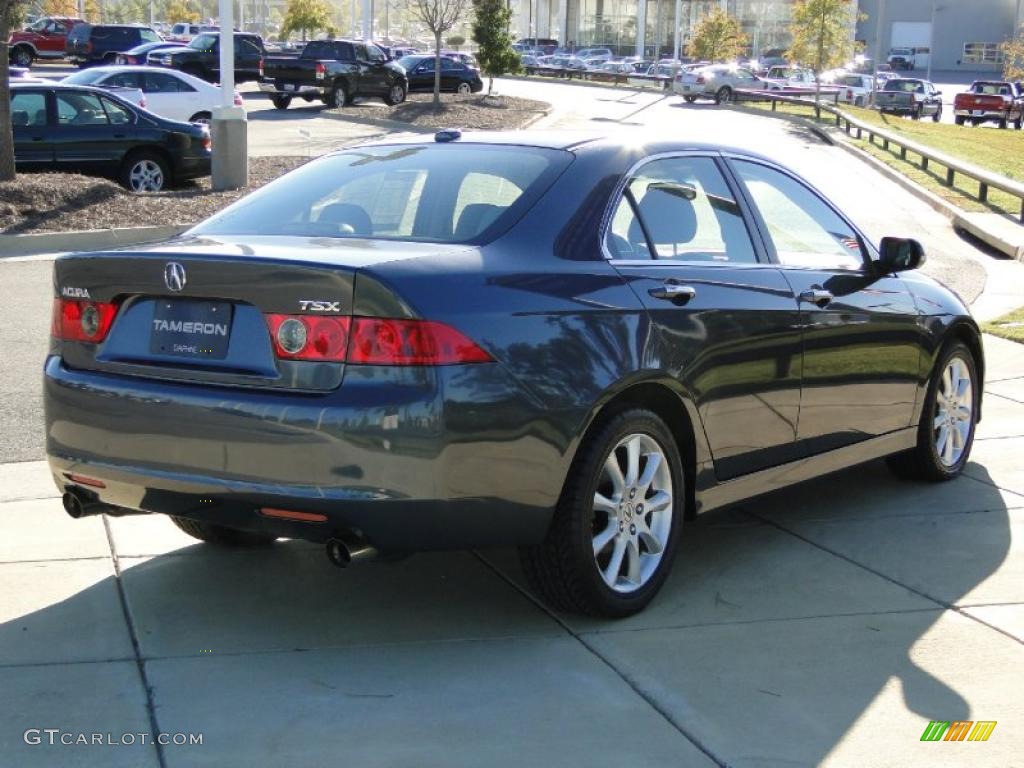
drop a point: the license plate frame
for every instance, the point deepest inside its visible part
(191, 329)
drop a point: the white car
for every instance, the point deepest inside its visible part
(719, 82)
(855, 89)
(169, 93)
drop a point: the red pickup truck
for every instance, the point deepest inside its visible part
(990, 100)
(42, 39)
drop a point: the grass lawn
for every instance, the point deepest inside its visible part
(1009, 326)
(991, 148)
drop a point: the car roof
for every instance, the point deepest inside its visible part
(56, 85)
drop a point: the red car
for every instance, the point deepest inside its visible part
(42, 39)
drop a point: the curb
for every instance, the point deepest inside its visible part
(399, 126)
(86, 240)
(959, 218)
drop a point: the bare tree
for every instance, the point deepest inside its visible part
(10, 13)
(438, 16)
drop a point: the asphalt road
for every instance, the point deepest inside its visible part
(879, 205)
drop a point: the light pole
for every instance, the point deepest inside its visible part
(931, 43)
(229, 129)
(878, 48)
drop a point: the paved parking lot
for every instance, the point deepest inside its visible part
(823, 625)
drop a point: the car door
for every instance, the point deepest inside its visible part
(33, 139)
(52, 39)
(247, 59)
(85, 138)
(726, 321)
(452, 73)
(373, 76)
(861, 330)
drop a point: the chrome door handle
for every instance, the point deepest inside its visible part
(818, 296)
(677, 294)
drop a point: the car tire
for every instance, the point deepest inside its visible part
(918, 111)
(221, 536)
(464, 88)
(624, 573)
(22, 56)
(144, 172)
(396, 95)
(935, 457)
(280, 100)
(960, 120)
(723, 95)
(689, 99)
(1018, 123)
(1003, 123)
(201, 117)
(336, 98)
(937, 116)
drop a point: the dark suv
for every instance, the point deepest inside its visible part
(100, 43)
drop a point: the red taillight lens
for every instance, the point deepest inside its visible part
(321, 71)
(261, 69)
(238, 99)
(142, 102)
(304, 337)
(207, 142)
(75, 320)
(371, 341)
(377, 341)
(700, 80)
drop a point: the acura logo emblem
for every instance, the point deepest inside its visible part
(174, 276)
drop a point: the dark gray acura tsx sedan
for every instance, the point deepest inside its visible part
(569, 344)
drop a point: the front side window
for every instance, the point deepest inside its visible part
(679, 208)
(205, 43)
(80, 109)
(431, 193)
(805, 231)
(149, 36)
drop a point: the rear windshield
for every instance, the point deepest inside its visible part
(904, 86)
(451, 193)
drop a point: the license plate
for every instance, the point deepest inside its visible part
(979, 112)
(290, 86)
(193, 329)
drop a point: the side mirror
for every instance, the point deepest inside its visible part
(899, 254)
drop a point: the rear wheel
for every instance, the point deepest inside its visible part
(948, 419)
(1018, 123)
(336, 97)
(218, 534)
(690, 99)
(464, 88)
(1004, 121)
(960, 120)
(280, 100)
(937, 116)
(201, 117)
(21, 56)
(615, 529)
(723, 95)
(144, 172)
(916, 114)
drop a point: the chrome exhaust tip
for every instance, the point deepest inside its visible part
(344, 553)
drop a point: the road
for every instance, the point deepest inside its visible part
(877, 204)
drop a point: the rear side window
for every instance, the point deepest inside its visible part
(436, 192)
(28, 109)
(80, 109)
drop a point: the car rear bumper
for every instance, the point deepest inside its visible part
(980, 114)
(407, 459)
(293, 89)
(193, 167)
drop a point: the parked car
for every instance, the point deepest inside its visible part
(168, 93)
(91, 44)
(89, 130)
(997, 101)
(911, 98)
(718, 82)
(45, 38)
(461, 56)
(906, 58)
(547, 45)
(787, 76)
(336, 72)
(604, 54)
(569, 344)
(455, 76)
(201, 57)
(855, 89)
(140, 53)
(184, 32)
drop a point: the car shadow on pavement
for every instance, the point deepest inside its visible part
(788, 627)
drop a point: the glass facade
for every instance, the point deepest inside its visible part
(616, 24)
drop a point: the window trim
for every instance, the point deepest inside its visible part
(761, 254)
(869, 253)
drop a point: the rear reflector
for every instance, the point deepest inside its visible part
(75, 320)
(371, 341)
(289, 514)
(92, 482)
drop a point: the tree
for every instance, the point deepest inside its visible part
(718, 37)
(455, 41)
(438, 16)
(10, 15)
(822, 32)
(1013, 57)
(490, 31)
(306, 16)
(181, 10)
(70, 8)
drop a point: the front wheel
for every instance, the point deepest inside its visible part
(464, 89)
(948, 419)
(218, 534)
(615, 529)
(281, 100)
(396, 95)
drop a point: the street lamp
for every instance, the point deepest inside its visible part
(228, 128)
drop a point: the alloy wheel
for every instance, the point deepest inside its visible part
(146, 176)
(397, 94)
(632, 513)
(22, 57)
(464, 88)
(954, 412)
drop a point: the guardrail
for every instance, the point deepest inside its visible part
(985, 179)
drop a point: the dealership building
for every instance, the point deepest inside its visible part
(965, 34)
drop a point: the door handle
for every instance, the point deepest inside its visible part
(677, 294)
(38, 138)
(818, 296)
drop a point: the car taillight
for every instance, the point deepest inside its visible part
(142, 102)
(849, 95)
(75, 320)
(307, 337)
(379, 341)
(260, 69)
(700, 79)
(321, 71)
(371, 341)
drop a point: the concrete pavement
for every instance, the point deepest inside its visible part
(824, 625)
